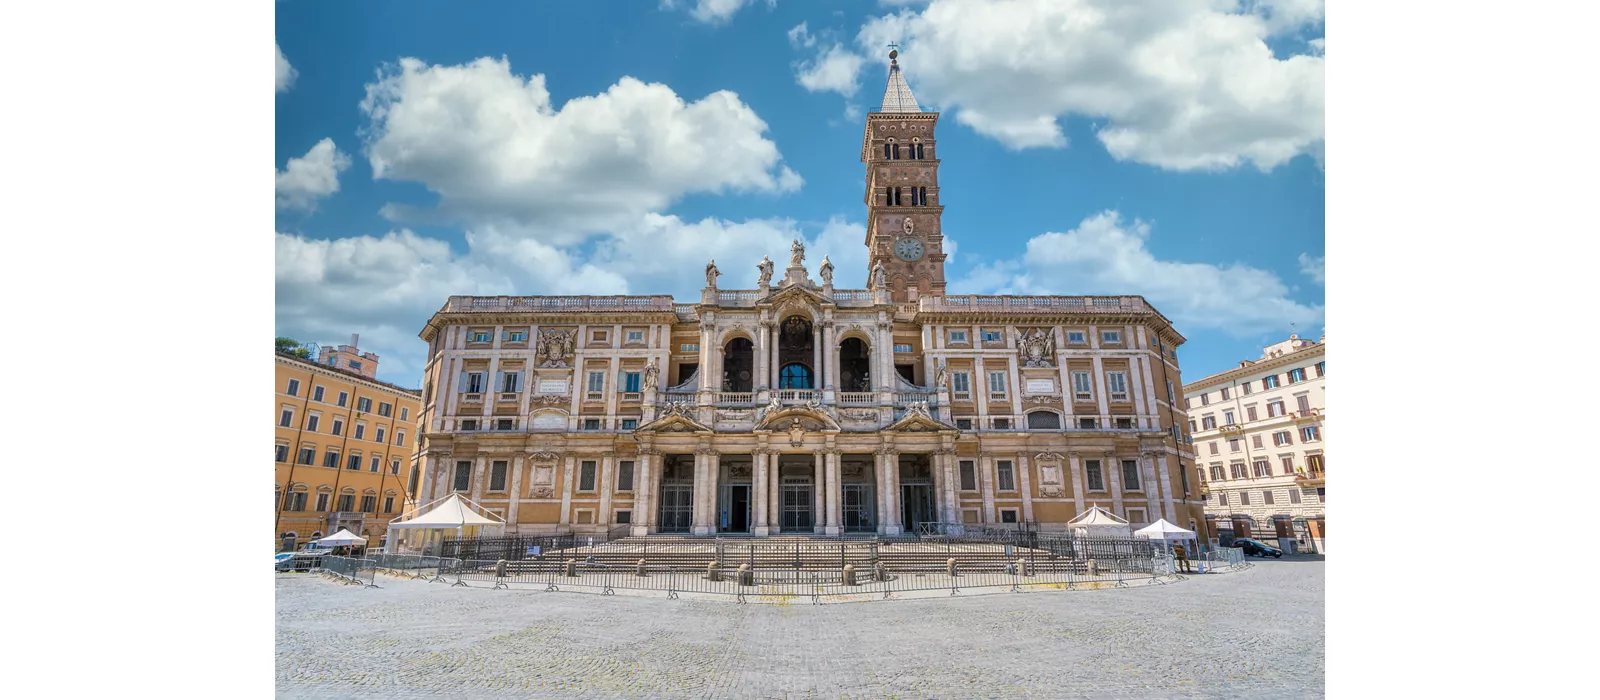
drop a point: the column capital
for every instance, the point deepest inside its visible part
(707, 451)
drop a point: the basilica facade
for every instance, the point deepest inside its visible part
(798, 407)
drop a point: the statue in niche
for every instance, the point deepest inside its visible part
(880, 276)
(827, 271)
(652, 374)
(797, 254)
(765, 266)
(712, 274)
(941, 378)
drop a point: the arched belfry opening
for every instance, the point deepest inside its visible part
(796, 354)
(738, 365)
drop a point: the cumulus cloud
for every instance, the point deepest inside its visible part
(495, 149)
(800, 37)
(1314, 267)
(713, 12)
(1179, 84)
(835, 70)
(1105, 255)
(286, 72)
(311, 177)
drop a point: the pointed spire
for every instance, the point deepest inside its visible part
(897, 95)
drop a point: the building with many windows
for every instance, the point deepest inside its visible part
(1259, 442)
(794, 406)
(344, 447)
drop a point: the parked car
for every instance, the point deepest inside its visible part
(281, 561)
(1257, 548)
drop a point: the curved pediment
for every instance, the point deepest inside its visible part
(918, 420)
(811, 419)
(795, 297)
(674, 418)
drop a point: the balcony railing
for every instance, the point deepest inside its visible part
(1034, 304)
(857, 398)
(469, 304)
(510, 396)
(736, 398)
(632, 397)
(797, 395)
(904, 398)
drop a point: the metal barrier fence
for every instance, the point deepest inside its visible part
(351, 570)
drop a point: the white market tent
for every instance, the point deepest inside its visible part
(449, 513)
(1165, 531)
(342, 538)
(1099, 522)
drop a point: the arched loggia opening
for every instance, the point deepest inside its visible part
(794, 376)
(854, 365)
(738, 365)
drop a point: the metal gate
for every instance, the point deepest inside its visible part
(858, 508)
(796, 506)
(677, 507)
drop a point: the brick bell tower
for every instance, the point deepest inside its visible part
(903, 231)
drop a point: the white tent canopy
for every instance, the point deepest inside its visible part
(1099, 522)
(451, 512)
(1163, 530)
(342, 538)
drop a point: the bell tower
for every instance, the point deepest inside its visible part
(903, 210)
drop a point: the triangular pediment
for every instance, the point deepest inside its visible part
(674, 420)
(795, 295)
(811, 419)
(917, 420)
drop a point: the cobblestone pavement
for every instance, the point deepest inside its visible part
(1251, 633)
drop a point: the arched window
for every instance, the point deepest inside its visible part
(919, 151)
(1044, 420)
(895, 149)
(794, 376)
(886, 151)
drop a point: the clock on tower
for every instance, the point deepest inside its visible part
(903, 212)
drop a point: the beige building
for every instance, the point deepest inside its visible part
(1260, 443)
(794, 406)
(344, 446)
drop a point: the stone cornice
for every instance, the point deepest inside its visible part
(335, 373)
(1293, 358)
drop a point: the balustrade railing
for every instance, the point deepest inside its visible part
(904, 398)
(1033, 303)
(857, 398)
(796, 395)
(736, 397)
(459, 304)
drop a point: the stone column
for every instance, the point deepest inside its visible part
(830, 341)
(1076, 469)
(1166, 487)
(763, 346)
(774, 498)
(702, 513)
(1136, 393)
(986, 486)
(892, 476)
(879, 491)
(949, 510)
(644, 493)
(1025, 482)
(1102, 391)
(775, 364)
(758, 492)
(516, 490)
(606, 481)
(818, 494)
(566, 490)
(1113, 469)
(835, 493)
(477, 477)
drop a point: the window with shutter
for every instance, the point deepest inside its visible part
(997, 384)
(294, 387)
(353, 463)
(1303, 401)
(1117, 383)
(1244, 498)
(1081, 387)
(380, 433)
(1255, 441)
(331, 459)
(463, 479)
(1288, 465)
(961, 383)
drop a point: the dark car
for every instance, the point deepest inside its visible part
(1257, 548)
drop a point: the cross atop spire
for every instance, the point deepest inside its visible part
(897, 95)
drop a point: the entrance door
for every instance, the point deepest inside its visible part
(738, 516)
(796, 506)
(677, 507)
(916, 506)
(858, 508)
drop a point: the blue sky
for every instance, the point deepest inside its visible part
(1167, 148)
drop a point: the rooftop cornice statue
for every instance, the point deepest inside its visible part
(797, 253)
(765, 266)
(827, 271)
(712, 274)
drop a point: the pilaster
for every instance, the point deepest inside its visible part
(835, 493)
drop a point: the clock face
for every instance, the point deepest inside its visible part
(908, 249)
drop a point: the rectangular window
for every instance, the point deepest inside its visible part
(1130, 475)
(630, 423)
(991, 336)
(1255, 441)
(1005, 479)
(1082, 389)
(1270, 382)
(1262, 468)
(1191, 425)
(1008, 515)
(689, 347)
(1236, 470)
(1275, 409)
(1222, 498)
(1213, 447)
(375, 464)
(958, 336)
(286, 419)
(969, 475)
(586, 475)
(1244, 498)
(510, 382)
(591, 424)
(347, 503)
(635, 336)
(344, 398)
(597, 382)
(1310, 433)
(355, 365)
(338, 426)
(1233, 444)
(1205, 399)
(294, 387)
(1224, 393)
(1314, 463)
(1294, 496)
(1282, 438)
(598, 336)
(505, 424)
(1322, 494)
(961, 383)
(1208, 422)
(1250, 413)
(308, 455)
(388, 504)
(1117, 382)
(400, 437)
(1002, 424)
(1096, 480)
(322, 503)
(1297, 375)
(282, 453)
(469, 424)
(364, 405)
(369, 504)
(1288, 465)
(1227, 417)
(479, 337)
(1111, 337)
(964, 423)
(1304, 403)
(1077, 337)
(330, 459)
(1124, 424)
(625, 475)
(997, 385)
(497, 475)
(463, 475)
(474, 382)
(1169, 391)
(1216, 472)
(1245, 388)
(316, 394)
(630, 382)
(394, 467)
(624, 517)
(311, 422)
(353, 463)
(899, 347)
(380, 434)
(405, 414)
(1088, 423)
(1266, 497)
(1320, 368)
(514, 336)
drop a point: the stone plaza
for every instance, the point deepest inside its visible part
(1258, 632)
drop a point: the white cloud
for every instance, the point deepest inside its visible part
(1179, 84)
(495, 149)
(800, 37)
(1319, 46)
(286, 72)
(311, 177)
(1316, 268)
(714, 12)
(833, 70)
(1103, 255)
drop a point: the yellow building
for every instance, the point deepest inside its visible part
(344, 447)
